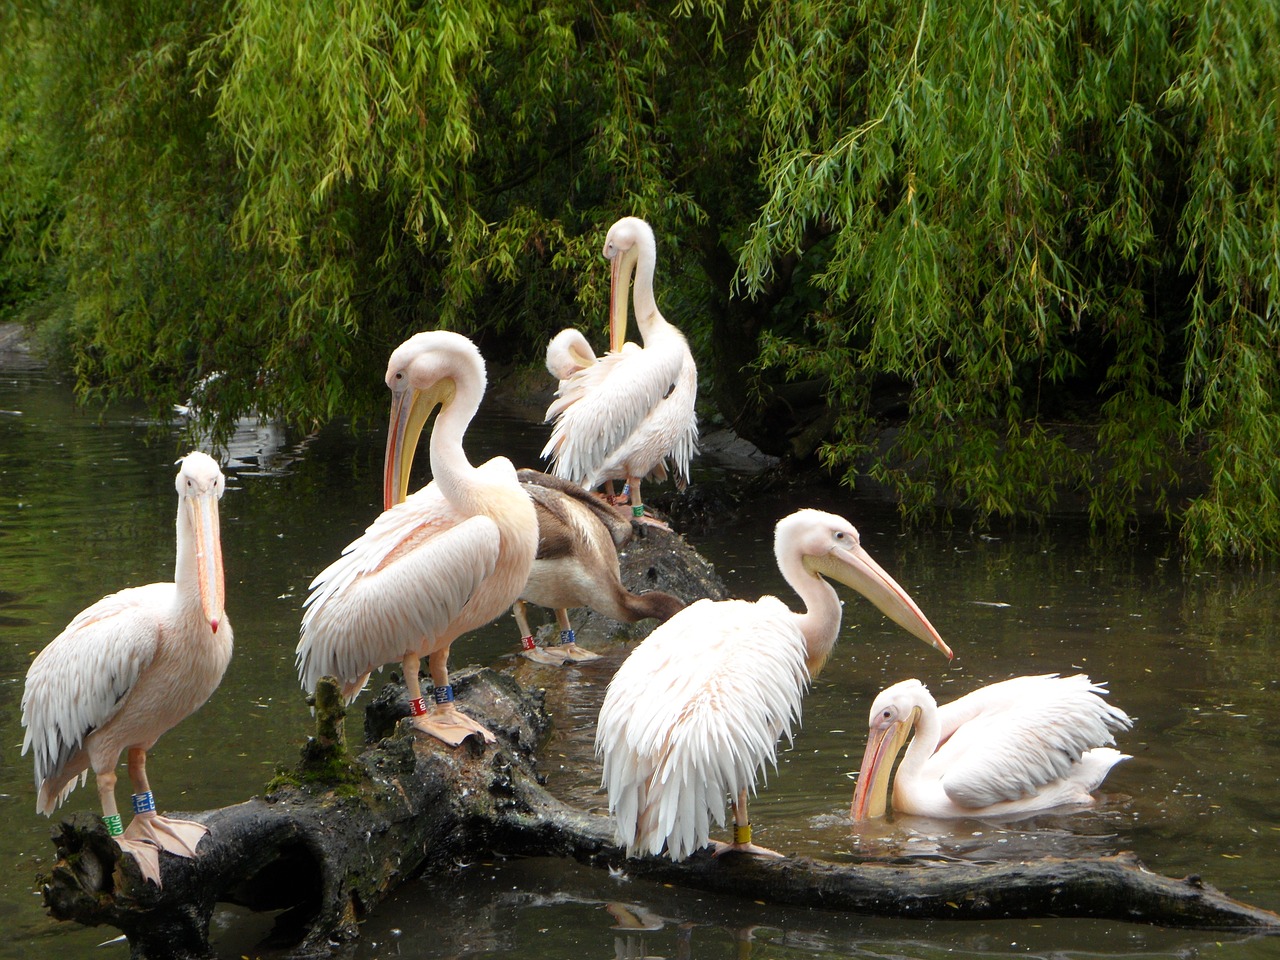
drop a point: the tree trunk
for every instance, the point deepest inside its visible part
(326, 845)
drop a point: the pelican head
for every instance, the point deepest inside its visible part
(622, 248)
(894, 715)
(567, 353)
(424, 373)
(200, 484)
(830, 547)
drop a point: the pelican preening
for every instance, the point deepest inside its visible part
(695, 712)
(628, 414)
(127, 669)
(448, 559)
(577, 566)
(1014, 747)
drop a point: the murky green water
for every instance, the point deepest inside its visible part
(87, 507)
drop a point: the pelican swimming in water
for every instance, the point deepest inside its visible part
(1014, 747)
(630, 413)
(448, 559)
(577, 566)
(127, 669)
(695, 712)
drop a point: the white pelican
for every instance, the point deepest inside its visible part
(695, 712)
(447, 559)
(127, 669)
(1018, 746)
(629, 413)
(577, 566)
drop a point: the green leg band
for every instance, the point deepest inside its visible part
(114, 826)
(637, 509)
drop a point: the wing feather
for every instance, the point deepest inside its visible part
(76, 683)
(375, 591)
(1011, 750)
(600, 406)
(694, 715)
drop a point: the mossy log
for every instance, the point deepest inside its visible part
(323, 846)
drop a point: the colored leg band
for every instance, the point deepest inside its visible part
(418, 707)
(144, 803)
(637, 509)
(742, 834)
(114, 826)
(566, 636)
(526, 643)
(444, 694)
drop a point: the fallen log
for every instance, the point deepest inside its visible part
(329, 841)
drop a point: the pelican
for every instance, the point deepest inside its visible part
(1014, 747)
(577, 566)
(448, 559)
(696, 711)
(130, 667)
(629, 413)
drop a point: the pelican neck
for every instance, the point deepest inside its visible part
(642, 298)
(925, 740)
(449, 464)
(820, 622)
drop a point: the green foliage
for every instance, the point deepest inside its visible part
(1045, 217)
(1028, 251)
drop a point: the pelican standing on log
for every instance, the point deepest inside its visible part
(448, 559)
(579, 536)
(127, 669)
(628, 414)
(1014, 747)
(695, 712)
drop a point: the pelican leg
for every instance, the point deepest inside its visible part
(741, 834)
(529, 648)
(569, 651)
(179, 837)
(637, 505)
(146, 854)
(444, 721)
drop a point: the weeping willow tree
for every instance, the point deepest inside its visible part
(999, 257)
(1054, 227)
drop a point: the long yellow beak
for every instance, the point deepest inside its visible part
(856, 568)
(871, 796)
(213, 592)
(410, 411)
(619, 287)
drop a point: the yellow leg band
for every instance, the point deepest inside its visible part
(742, 834)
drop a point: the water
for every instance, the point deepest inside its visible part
(87, 507)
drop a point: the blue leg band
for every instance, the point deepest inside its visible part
(144, 803)
(566, 636)
(444, 694)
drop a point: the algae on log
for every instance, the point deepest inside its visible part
(325, 846)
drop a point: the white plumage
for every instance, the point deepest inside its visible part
(694, 714)
(630, 413)
(1013, 747)
(130, 667)
(446, 560)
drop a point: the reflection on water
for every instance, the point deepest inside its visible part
(87, 507)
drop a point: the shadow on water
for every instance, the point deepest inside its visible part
(87, 507)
